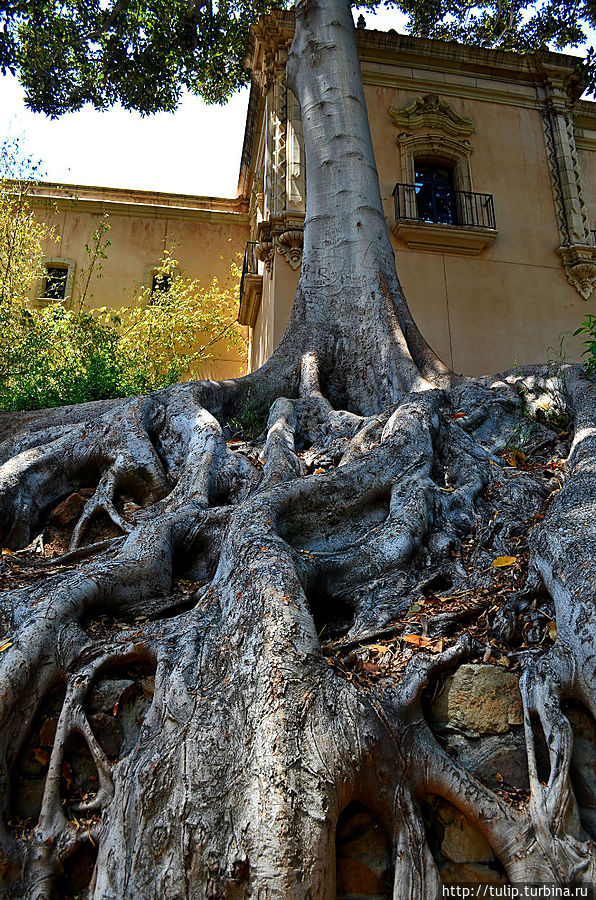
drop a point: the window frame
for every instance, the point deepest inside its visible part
(56, 262)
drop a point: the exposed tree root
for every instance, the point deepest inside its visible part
(329, 522)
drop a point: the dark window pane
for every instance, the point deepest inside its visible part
(56, 278)
(161, 282)
(435, 196)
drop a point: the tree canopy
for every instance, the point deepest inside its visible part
(143, 54)
(139, 54)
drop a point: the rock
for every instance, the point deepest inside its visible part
(106, 730)
(106, 694)
(470, 873)
(363, 857)
(68, 510)
(462, 843)
(79, 770)
(27, 798)
(356, 879)
(148, 686)
(47, 732)
(479, 699)
(492, 755)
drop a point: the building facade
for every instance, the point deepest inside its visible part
(204, 235)
(487, 170)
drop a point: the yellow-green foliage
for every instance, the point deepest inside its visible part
(21, 236)
(171, 332)
(56, 356)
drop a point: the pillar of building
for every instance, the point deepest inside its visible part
(577, 250)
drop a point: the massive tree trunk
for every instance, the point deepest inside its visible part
(246, 595)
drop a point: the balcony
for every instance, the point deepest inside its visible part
(439, 219)
(251, 286)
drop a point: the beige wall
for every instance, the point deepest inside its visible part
(276, 305)
(511, 303)
(203, 234)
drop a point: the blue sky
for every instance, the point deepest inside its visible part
(193, 151)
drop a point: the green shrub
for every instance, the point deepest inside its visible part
(588, 327)
(55, 356)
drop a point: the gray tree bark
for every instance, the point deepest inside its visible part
(231, 593)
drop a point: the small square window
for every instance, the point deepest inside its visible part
(55, 283)
(161, 281)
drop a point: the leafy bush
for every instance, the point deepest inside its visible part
(54, 356)
(21, 235)
(172, 331)
(588, 327)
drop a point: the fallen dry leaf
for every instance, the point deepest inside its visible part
(501, 561)
(435, 646)
(371, 667)
(42, 756)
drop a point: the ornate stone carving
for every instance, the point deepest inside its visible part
(295, 173)
(289, 244)
(554, 175)
(577, 174)
(438, 146)
(276, 138)
(580, 267)
(577, 250)
(432, 112)
(265, 252)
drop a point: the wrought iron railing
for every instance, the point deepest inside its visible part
(444, 206)
(250, 265)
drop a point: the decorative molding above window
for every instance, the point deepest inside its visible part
(432, 112)
(433, 133)
(438, 148)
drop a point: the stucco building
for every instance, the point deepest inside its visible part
(487, 168)
(204, 234)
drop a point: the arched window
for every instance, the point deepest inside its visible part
(435, 206)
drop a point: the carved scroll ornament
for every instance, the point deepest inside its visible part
(580, 268)
(289, 244)
(265, 252)
(432, 112)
